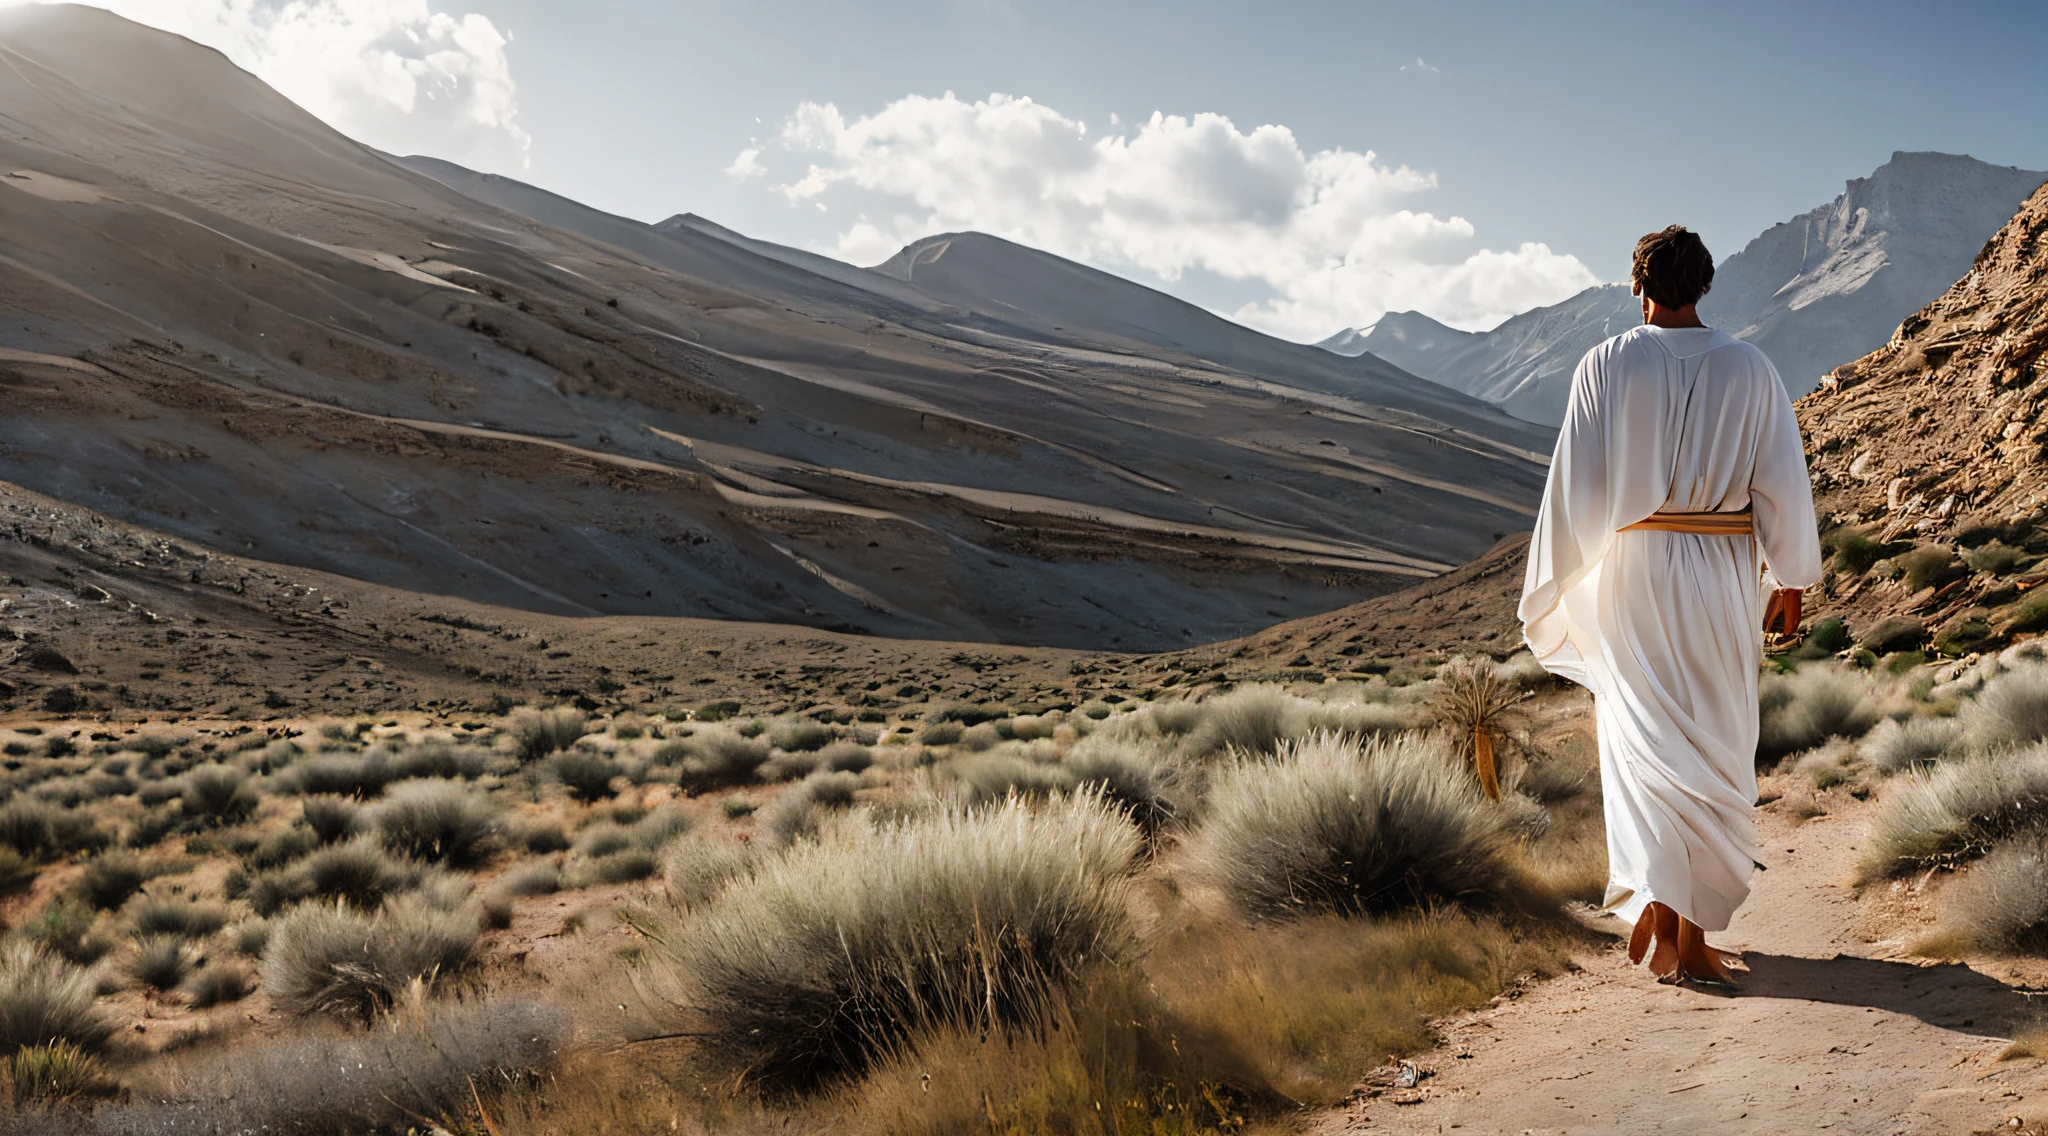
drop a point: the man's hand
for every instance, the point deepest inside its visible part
(1781, 613)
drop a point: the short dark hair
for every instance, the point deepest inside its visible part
(1673, 267)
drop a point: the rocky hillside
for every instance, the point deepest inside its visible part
(1813, 292)
(1930, 460)
(229, 323)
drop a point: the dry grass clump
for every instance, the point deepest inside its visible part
(2002, 901)
(42, 830)
(171, 915)
(702, 862)
(718, 758)
(67, 929)
(324, 959)
(330, 818)
(538, 733)
(794, 813)
(1837, 762)
(359, 873)
(1807, 707)
(357, 775)
(420, 1071)
(41, 1077)
(1250, 719)
(1895, 746)
(436, 820)
(1957, 810)
(220, 982)
(998, 773)
(45, 1000)
(817, 961)
(535, 877)
(1343, 825)
(799, 735)
(586, 774)
(159, 962)
(1135, 776)
(2011, 710)
(217, 794)
(110, 878)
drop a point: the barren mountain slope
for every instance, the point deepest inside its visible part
(1936, 440)
(228, 322)
(1812, 292)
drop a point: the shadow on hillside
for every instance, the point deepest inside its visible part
(1951, 997)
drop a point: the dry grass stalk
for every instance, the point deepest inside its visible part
(1475, 700)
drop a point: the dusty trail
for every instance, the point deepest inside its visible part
(1829, 1033)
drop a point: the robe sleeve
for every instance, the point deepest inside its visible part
(1782, 495)
(1572, 532)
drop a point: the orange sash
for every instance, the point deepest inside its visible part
(1705, 524)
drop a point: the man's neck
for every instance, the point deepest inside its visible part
(1657, 315)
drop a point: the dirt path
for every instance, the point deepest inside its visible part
(1830, 1033)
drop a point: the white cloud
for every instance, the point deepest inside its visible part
(392, 73)
(1419, 65)
(748, 164)
(1329, 234)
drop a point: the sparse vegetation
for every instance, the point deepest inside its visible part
(218, 794)
(1896, 746)
(820, 960)
(324, 959)
(2011, 710)
(538, 733)
(1341, 825)
(588, 776)
(436, 820)
(1957, 810)
(1801, 710)
(45, 1001)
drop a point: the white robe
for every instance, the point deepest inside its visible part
(1666, 628)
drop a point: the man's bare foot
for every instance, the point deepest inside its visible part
(1678, 949)
(1658, 925)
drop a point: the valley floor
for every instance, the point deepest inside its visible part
(1830, 1032)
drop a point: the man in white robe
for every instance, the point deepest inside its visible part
(1659, 613)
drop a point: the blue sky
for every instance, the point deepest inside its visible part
(1516, 150)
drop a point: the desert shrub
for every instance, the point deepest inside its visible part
(783, 765)
(281, 848)
(1833, 763)
(435, 820)
(67, 930)
(171, 915)
(249, 937)
(1829, 636)
(325, 1083)
(657, 829)
(1250, 719)
(45, 1000)
(358, 775)
(2002, 901)
(1132, 776)
(1895, 746)
(1929, 566)
(536, 877)
(218, 794)
(538, 733)
(1522, 671)
(158, 744)
(623, 866)
(1807, 707)
(702, 862)
(44, 1076)
(325, 959)
(1366, 718)
(17, 874)
(2011, 710)
(109, 879)
(817, 961)
(1854, 550)
(359, 873)
(1956, 810)
(847, 757)
(160, 962)
(220, 982)
(1343, 825)
(34, 829)
(540, 836)
(1995, 558)
(1475, 703)
(586, 774)
(799, 735)
(793, 814)
(940, 733)
(993, 776)
(719, 758)
(1893, 634)
(603, 839)
(434, 759)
